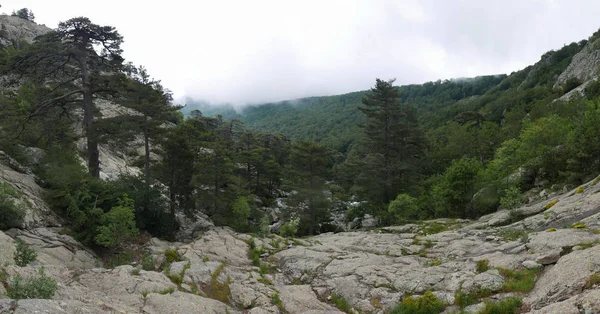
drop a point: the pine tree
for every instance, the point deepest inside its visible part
(393, 144)
(67, 63)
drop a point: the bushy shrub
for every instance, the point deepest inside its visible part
(512, 198)
(148, 262)
(289, 229)
(427, 304)
(241, 213)
(482, 266)
(403, 207)
(11, 215)
(511, 305)
(40, 287)
(172, 256)
(117, 225)
(23, 254)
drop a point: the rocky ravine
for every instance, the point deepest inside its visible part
(371, 270)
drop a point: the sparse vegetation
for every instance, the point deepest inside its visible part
(40, 287)
(510, 305)
(277, 301)
(550, 204)
(218, 290)
(341, 303)
(551, 230)
(11, 215)
(512, 235)
(592, 281)
(518, 280)
(482, 266)
(426, 304)
(579, 225)
(580, 190)
(148, 262)
(23, 253)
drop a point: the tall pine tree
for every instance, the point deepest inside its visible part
(392, 147)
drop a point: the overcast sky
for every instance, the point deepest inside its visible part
(251, 51)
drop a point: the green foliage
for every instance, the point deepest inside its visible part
(510, 305)
(11, 215)
(463, 299)
(148, 262)
(482, 265)
(264, 227)
(152, 211)
(241, 213)
(550, 204)
(426, 304)
(23, 253)
(40, 287)
(171, 256)
(592, 281)
(518, 281)
(289, 229)
(512, 198)
(276, 300)
(512, 235)
(254, 253)
(341, 303)
(218, 290)
(25, 14)
(117, 225)
(404, 207)
(453, 191)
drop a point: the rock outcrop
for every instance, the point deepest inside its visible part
(14, 29)
(584, 64)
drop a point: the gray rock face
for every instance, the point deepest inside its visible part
(19, 29)
(565, 279)
(583, 65)
(37, 212)
(56, 249)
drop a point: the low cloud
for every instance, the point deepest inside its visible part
(244, 52)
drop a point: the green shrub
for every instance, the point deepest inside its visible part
(507, 306)
(463, 299)
(518, 280)
(427, 304)
(592, 281)
(241, 213)
(580, 190)
(512, 198)
(403, 207)
(550, 204)
(579, 225)
(148, 262)
(172, 256)
(341, 303)
(276, 300)
(11, 215)
(117, 225)
(40, 287)
(254, 253)
(23, 254)
(482, 266)
(289, 229)
(123, 258)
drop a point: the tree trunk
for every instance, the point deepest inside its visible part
(88, 119)
(147, 152)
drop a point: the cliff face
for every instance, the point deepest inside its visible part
(584, 66)
(14, 29)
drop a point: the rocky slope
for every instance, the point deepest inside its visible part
(371, 270)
